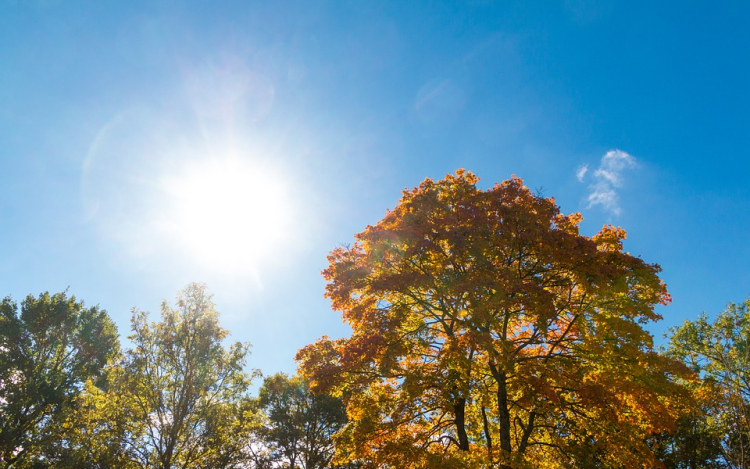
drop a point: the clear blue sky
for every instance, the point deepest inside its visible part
(145, 145)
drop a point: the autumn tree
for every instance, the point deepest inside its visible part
(47, 353)
(488, 332)
(188, 390)
(720, 352)
(299, 425)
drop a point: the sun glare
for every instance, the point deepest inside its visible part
(229, 214)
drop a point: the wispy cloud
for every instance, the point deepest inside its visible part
(606, 179)
(581, 172)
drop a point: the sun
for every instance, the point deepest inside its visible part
(228, 214)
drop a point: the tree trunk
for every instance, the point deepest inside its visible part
(502, 410)
(459, 410)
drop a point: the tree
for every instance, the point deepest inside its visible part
(189, 392)
(720, 353)
(488, 332)
(299, 425)
(47, 353)
(694, 443)
(94, 432)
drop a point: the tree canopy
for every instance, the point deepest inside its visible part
(187, 390)
(47, 353)
(720, 352)
(299, 425)
(488, 332)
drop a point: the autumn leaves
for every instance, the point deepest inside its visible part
(488, 332)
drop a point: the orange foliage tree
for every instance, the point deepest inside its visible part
(488, 332)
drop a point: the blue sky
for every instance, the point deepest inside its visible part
(301, 122)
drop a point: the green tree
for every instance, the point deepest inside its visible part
(694, 443)
(488, 332)
(93, 433)
(189, 392)
(299, 425)
(47, 353)
(720, 353)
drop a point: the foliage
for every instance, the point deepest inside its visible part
(694, 443)
(299, 425)
(187, 390)
(94, 431)
(47, 353)
(720, 353)
(488, 332)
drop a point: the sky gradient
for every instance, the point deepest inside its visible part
(146, 145)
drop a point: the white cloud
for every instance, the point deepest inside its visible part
(581, 172)
(607, 178)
